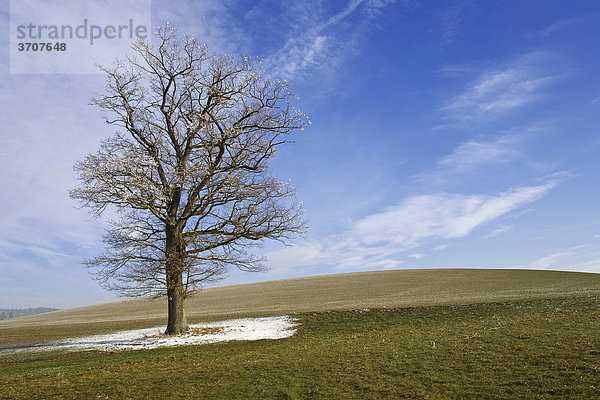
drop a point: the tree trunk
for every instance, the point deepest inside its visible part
(175, 256)
(176, 322)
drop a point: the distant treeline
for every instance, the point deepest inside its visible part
(6, 313)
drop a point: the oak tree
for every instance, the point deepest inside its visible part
(187, 171)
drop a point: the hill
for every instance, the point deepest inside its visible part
(8, 313)
(380, 289)
(428, 334)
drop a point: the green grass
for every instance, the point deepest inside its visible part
(531, 349)
(429, 334)
(404, 288)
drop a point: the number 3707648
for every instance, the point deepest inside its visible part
(25, 46)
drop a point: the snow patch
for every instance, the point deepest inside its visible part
(151, 338)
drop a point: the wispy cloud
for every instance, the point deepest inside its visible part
(566, 261)
(320, 41)
(474, 157)
(306, 38)
(592, 265)
(550, 260)
(450, 21)
(45, 235)
(352, 5)
(446, 216)
(477, 153)
(211, 21)
(560, 25)
(566, 23)
(499, 230)
(498, 91)
(417, 219)
(298, 55)
(584, 257)
(416, 256)
(477, 158)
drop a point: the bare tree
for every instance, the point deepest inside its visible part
(188, 172)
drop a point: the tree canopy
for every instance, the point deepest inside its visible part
(187, 171)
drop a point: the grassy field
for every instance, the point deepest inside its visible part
(529, 349)
(449, 334)
(403, 288)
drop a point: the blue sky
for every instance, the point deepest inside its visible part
(444, 134)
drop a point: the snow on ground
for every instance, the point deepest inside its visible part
(236, 329)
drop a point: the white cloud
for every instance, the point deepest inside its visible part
(578, 247)
(36, 172)
(342, 14)
(474, 154)
(561, 25)
(319, 41)
(549, 261)
(450, 21)
(499, 91)
(308, 253)
(474, 157)
(416, 256)
(443, 215)
(296, 58)
(380, 238)
(501, 229)
(586, 266)
(208, 20)
(570, 260)
(305, 37)
(484, 155)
